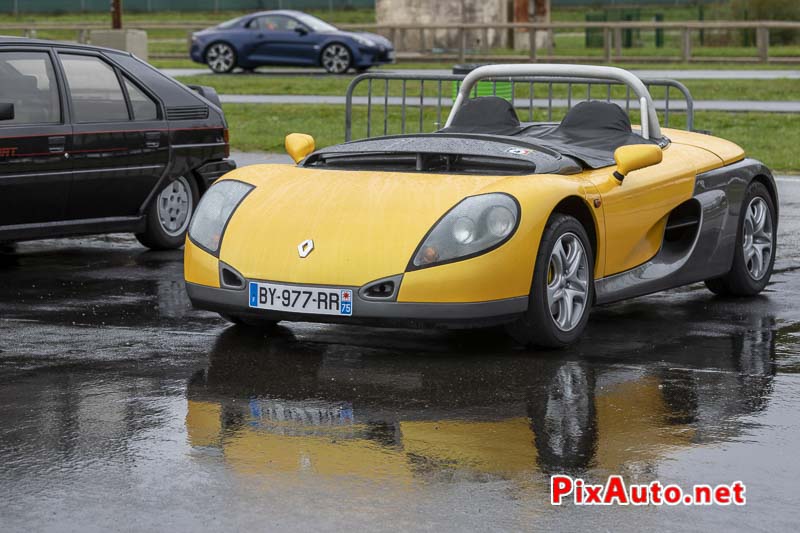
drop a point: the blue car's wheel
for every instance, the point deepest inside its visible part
(336, 58)
(221, 58)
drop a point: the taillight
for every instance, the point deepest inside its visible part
(226, 138)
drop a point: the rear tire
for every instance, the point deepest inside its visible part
(756, 242)
(169, 214)
(562, 291)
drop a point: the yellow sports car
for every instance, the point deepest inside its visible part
(487, 220)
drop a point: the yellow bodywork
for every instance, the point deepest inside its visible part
(367, 225)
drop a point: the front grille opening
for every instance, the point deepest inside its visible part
(382, 289)
(231, 279)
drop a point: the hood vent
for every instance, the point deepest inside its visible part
(188, 112)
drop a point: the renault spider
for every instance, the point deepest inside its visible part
(486, 221)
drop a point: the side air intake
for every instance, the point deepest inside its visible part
(189, 112)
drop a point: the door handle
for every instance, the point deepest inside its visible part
(152, 139)
(56, 144)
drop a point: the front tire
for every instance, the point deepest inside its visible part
(169, 214)
(562, 290)
(221, 58)
(336, 58)
(756, 241)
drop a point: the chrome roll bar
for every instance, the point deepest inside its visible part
(649, 121)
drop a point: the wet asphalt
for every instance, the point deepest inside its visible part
(123, 408)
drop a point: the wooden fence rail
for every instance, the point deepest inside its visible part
(612, 38)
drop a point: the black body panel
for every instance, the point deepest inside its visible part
(709, 252)
(75, 176)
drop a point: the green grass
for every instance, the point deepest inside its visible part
(633, 64)
(781, 89)
(770, 137)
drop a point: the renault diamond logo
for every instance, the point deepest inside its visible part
(305, 248)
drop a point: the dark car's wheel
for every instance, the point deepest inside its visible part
(562, 291)
(754, 254)
(169, 214)
(336, 58)
(221, 58)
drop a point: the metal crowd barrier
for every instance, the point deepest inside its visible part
(412, 108)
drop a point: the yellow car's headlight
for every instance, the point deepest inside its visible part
(214, 211)
(476, 225)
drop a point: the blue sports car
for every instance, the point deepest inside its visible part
(287, 38)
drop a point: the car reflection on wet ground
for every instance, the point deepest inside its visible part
(123, 408)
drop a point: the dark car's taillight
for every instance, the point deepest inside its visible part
(226, 138)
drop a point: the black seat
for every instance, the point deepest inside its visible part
(590, 118)
(590, 132)
(486, 114)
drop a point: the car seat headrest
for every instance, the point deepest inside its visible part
(596, 115)
(485, 114)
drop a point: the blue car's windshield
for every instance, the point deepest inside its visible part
(230, 23)
(314, 23)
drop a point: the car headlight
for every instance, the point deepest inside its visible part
(476, 225)
(365, 41)
(214, 211)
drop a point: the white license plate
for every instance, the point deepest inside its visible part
(301, 299)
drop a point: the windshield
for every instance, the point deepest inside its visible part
(230, 23)
(314, 23)
(424, 162)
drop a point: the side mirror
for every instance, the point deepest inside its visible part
(6, 111)
(635, 157)
(301, 30)
(299, 145)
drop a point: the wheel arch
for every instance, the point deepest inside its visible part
(202, 186)
(771, 188)
(576, 207)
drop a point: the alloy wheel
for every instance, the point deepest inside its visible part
(220, 57)
(568, 282)
(175, 207)
(336, 58)
(757, 238)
